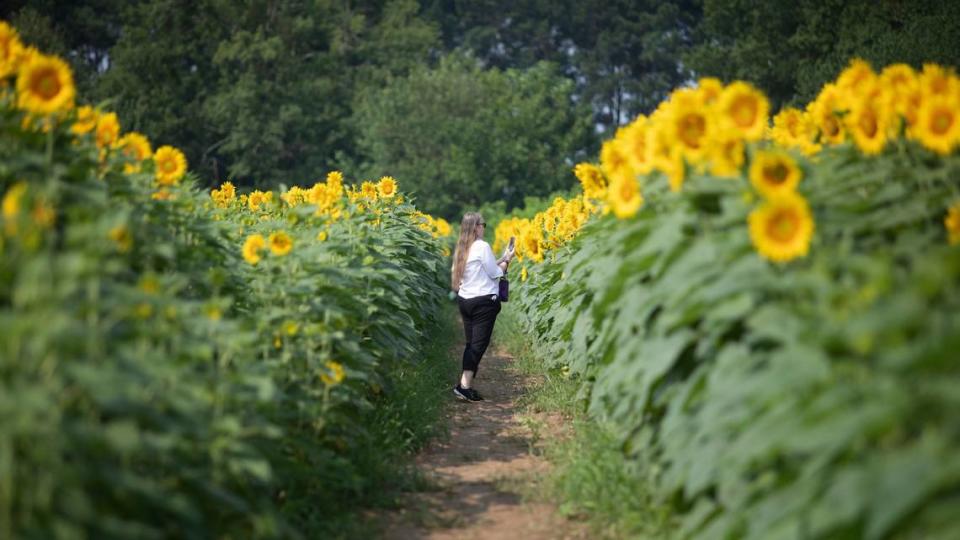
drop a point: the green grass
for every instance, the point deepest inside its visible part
(591, 479)
(409, 414)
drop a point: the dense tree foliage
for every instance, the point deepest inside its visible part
(789, 49)
(503, 134)
(267, 92)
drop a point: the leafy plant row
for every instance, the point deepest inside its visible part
(776, 341)
(181, 364)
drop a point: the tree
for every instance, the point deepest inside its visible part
(459, 135)
(789, 49)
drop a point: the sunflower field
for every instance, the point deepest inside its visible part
(766, 309)
(176, 363)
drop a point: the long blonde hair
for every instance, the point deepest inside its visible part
(468, 235)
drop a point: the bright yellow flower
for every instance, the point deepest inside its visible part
(122, 237)
(899, 83)
(135, 147)
(793, 128)
(368, 190)
(322, 236)
(781, 228)
(624, 196)
(823, 111)
(709, 90)
(613, 162)
(938, 81)
(387, 187)
(10, 50)
(774, 173)
(853, 80)
(443, 227)
(280, 243)
(952, 224)
(335, 179)
(523, 274)
(690, 125)
(633, 141)
(726, 156)
(45, 85)
(744, 109)
(252, 247)
(225, 195)
(294, 196)
(336, 374)
(171, 165)
(86, 120)
(938, 123)
(591, 179)
(108, 130)
(869, 122)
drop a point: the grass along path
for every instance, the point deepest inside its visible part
(484, 477)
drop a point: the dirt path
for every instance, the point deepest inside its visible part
(480, 471)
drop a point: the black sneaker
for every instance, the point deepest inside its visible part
(467, 394)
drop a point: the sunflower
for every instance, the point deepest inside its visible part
(793, 128)
(709, 90)
(322, 236)
(387, 187)
(633, 142)
(225, 195)
(726, 156)
(10, 50)
(690, 126)
(853, 80)
(624, 196)
(252, 247)
(899, 83)
(86, 120)
(774, 172)
(938, 81)
(135, 147)
(171, 165)
(938, 123)
(744, 109)
(108, 130)
(823, 112)
(280, 243)
(591, 179)
(336, 374)
(443, 227)
(613, 161)
(45, 85)
(952, 223)
(781, 228)
(368, 190)
(869, 122)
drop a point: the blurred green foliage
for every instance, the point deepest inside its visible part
(153, 384)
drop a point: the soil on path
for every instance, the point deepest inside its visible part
(481, 470)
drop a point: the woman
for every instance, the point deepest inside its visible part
(475, 279)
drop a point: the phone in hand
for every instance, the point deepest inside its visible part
(511, 244)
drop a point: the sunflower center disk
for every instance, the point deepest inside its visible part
(47, 84)
(784, 225)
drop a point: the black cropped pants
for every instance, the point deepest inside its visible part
(478, 316)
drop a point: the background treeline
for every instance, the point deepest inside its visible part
(464, 101)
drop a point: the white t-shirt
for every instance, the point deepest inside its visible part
(481, 273)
